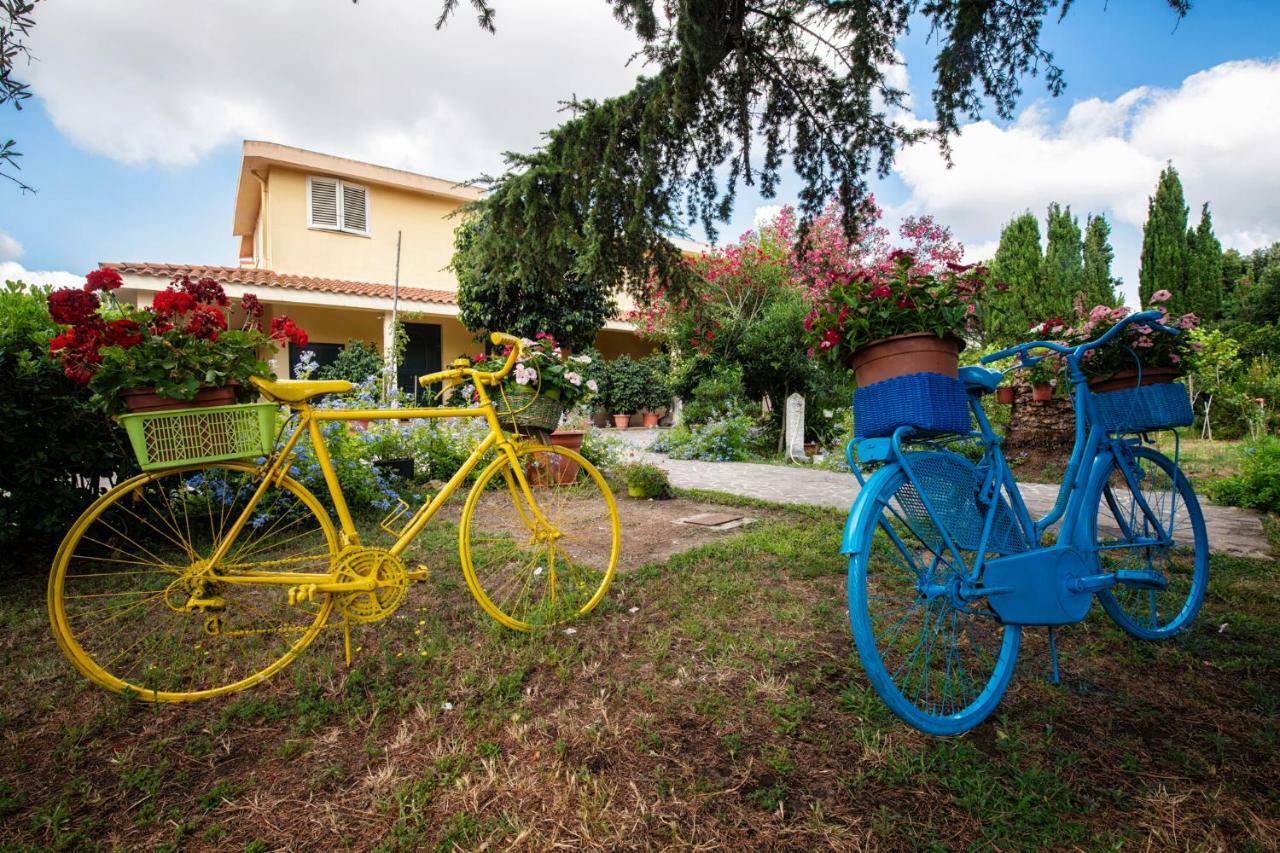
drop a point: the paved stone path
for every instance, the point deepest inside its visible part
(1231, 530)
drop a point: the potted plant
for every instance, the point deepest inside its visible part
(626, 389)
(646, 481)
(1142, 355)
(544, 383)
(1005, 395)
(900, 330)
(657, 389)
(1045, 371)
(178, 353)
(1133, 379)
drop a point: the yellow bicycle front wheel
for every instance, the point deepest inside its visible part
(137, 609)
(542, 564)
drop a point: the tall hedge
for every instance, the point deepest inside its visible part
(57, 451)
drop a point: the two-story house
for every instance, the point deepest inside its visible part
(325, 240)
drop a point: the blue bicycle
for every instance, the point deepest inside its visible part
(946, 566)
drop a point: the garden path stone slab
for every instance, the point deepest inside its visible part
(1232, 530)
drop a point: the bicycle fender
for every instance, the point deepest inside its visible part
(865, 503)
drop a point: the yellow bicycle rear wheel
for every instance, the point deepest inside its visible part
(136, 608)
(529, 573)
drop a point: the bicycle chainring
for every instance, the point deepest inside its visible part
(359, 563)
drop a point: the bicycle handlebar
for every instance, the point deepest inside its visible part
(478, 376)
(1150, 318)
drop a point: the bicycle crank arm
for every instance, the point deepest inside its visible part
(1133, 579)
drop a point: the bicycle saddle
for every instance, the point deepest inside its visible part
(297, 390)
(980, 379)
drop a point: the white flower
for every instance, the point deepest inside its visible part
(524, 374)
(582, 359)
(575, 378)
(447, 706)
(828, 413)
(592, 386)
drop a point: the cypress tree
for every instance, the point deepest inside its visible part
(1018, 264)
(1164, 262)
(1099, 286)
(1063, 263)
(1204, 276)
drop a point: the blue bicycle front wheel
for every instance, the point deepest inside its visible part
(939, 659)
(1151, 529)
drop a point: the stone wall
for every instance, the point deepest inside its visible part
(1041, 428)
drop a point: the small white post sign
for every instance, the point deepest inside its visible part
(793, 428)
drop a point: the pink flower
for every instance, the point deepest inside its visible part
(1188, 321)
(1161, 296)
(1099, 312)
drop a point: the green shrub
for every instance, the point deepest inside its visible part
(719, 394)
(58, 451)
(646, 480)
(626, 388)
(601, 449)
(1257, 486)
(658, 381)
(356, 363)
(721, 440)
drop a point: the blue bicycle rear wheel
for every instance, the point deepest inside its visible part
(941, 662)
(1122, 531)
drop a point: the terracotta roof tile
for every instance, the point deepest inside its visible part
(268, 278)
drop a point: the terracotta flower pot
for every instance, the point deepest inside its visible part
(1004, 395)
(650, 419)
(901, 355)
(541, 473)
(1042, 392)
(147, 400)
(1129, 379)
(621, 421)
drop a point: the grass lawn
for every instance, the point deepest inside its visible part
(713, 700)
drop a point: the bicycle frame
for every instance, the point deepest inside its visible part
(1091, 443)
(276, 467)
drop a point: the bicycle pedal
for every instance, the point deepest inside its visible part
(419, 573)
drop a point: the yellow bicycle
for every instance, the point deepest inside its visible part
(190, 582)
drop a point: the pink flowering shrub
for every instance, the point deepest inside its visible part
(1138, 345)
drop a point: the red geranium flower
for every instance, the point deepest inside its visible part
(124, 333)
(206, 322)
(103, 279)
(206, 291)
(69, 306)
(252, 312)
(881, 291)
(285, 330)
(169, 302)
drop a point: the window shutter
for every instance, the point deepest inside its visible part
(324, 203)
(355, 209)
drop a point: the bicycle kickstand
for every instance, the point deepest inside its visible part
(1055, 677)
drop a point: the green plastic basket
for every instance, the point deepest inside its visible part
(190, 436)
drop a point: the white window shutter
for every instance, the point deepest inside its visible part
(324, 203)
(355, 209)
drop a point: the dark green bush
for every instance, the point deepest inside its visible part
(646, 480)
(1257, 486)
(356, 363)
(57, 452)
(626, 388)
(721, 393)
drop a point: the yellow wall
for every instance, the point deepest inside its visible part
(427, 245)
(613, 343)
(335, 325)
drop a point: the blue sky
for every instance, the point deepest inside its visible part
(133, 136)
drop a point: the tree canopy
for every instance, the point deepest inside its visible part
(735, 90)
(15, 24)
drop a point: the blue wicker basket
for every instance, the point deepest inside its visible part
(930, 402)
(1145, 408)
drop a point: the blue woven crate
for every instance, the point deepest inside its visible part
(930, 402)
(1145, 408)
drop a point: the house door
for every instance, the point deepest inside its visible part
(421, 355)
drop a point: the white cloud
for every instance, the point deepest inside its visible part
(1220, 127)
(14, 271)
(144, 81)
(10, 249)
